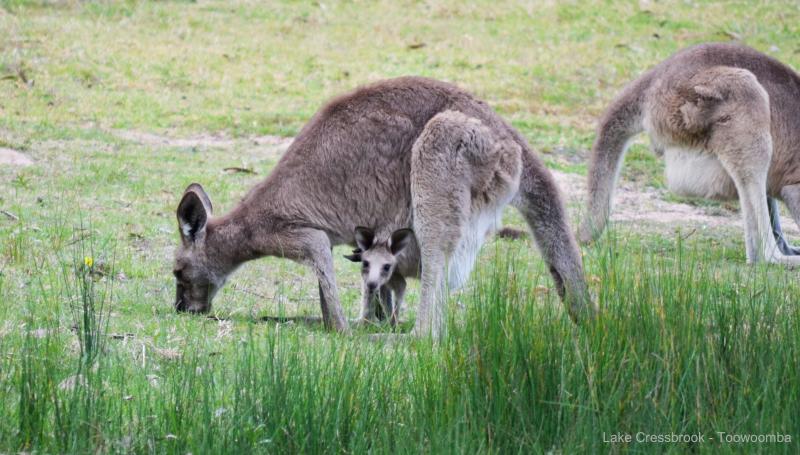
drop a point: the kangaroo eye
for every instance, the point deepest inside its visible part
(386, 267)
(365, 264)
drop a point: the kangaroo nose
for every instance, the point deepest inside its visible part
(372, 286)
(180, 304)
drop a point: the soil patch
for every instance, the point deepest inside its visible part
(648, 205)
(14, 158)
(201, 140)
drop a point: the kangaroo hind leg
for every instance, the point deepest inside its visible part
(743, 143)
(460, 179)
(440, 204)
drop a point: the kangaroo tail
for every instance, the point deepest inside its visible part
(539, 202)
(621, 121)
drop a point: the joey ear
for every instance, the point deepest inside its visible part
(399, 240)
(355, 257)
(193, 213)
(365, 237)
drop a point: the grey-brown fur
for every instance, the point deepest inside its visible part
(727, 120)
(465, 176)
(351, 166)
(462, 175)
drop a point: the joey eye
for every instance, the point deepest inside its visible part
(386, 267)
(365, 264)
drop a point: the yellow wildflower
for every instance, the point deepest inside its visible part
(88, 261)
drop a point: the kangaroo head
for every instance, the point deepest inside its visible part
(197, 276)
(378, 259)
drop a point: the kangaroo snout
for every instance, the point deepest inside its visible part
(182, 305)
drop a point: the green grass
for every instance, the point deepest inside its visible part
(686, 344)
(690, 338)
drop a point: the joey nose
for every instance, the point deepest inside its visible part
(371, 286)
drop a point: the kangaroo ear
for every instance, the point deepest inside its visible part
(365, 237)
(201, 193)
(399, 240)
(193, 213)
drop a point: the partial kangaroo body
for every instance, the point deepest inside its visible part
(727, 120)
(461, 177)
(351, 165)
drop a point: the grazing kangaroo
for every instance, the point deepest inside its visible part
(384, 268)
(372, 158)
(726, 118)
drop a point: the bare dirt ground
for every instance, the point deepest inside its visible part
(202, 140)
(649, 206)
(11, 157)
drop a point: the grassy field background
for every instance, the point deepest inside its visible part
(121, 104)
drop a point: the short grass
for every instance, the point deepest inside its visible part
(94, 359)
